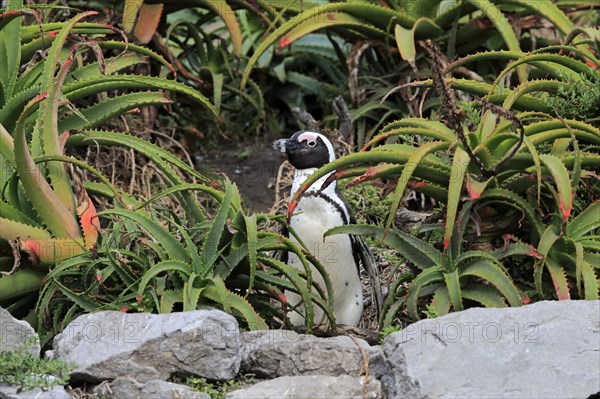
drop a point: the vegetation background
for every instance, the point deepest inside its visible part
(482, 116)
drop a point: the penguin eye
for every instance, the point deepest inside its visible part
(311, 143)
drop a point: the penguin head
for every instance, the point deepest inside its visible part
(306, 149)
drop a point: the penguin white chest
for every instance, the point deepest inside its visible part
(313, 216)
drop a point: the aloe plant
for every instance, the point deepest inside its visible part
(407, 22)
(497, 164)
(43, 211)
(150, 260)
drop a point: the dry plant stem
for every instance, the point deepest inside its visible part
(372, 337)
(341, 110)
(306, 119)
(161, 45)
(14, 245)
(452, 115)
(353, 62)
(365, 367)
(515, 121)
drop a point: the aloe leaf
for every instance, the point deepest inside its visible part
(8, 211)
(451, 279)
(563, 183)
(206, 189)
(590, 281)
(7, 147)
(171, 245)
(111, 66)
(292, 275)
(13, 229)
(559, 279)
(436, 129)
(160, 157)
(10, 51)
(210, 249)
(235, 302)
(440, 302)
(547, 240)
(425, 278)
(548, 10)
(573, 68)
(579, 259)
(411, 164)
(509, 197)
(511, 250)
(485, 295)
(47, 84)
(252, 239)
(31, 32)
(459, 169)
(90, 86)
(41, 43)
(337, 20)
(405, 38)
(94, 115)
(161, 267)
(229, 262)
(20, 283)
(501, 23)
(419, 252)
(49, 251)
(191, 294)
(168, 300)
(228, 15)
(524, 103)
(130, 14)
(371, 13)
(46, 137)
(584, 223)
(54, 213)
(223, 294)
(152, 151)
(495, 276)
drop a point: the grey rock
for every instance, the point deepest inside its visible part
(14, 334)
(312, 386)
(10, 392)
(127, 388)
(108, 345)
(277, 353)
(544, 350)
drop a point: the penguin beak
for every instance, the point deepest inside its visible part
(281, 145)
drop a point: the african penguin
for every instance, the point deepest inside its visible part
(317, 212)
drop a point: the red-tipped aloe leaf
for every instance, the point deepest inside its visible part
(53, 212)
(559, 279)
(147, 22)
(563, 183)
(457, 175)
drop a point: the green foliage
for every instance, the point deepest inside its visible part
(151, 260)
(514, 163)
(216, 390)
(366, 200)
(30, 372)
(385, 331)
(479, 173)
(578, 100)
(44, 211)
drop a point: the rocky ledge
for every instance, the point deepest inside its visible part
(543, 350)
